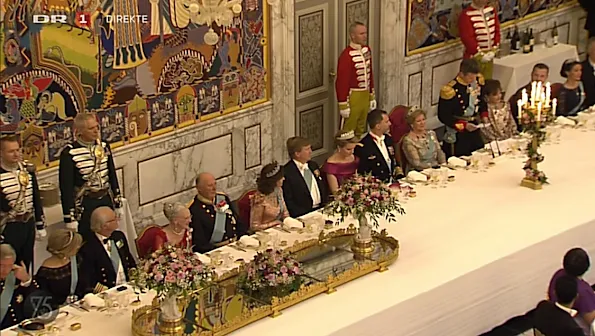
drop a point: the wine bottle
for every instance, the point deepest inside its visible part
(555, 33)
(516, 40)
(526, 42)
(531, 40)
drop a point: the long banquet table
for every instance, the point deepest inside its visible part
(472, 255)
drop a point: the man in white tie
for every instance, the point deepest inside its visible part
(106, 256)
(377, 153)
(303, 188)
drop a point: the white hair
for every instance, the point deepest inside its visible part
(98, 218)
(7, 252)
(171, 210)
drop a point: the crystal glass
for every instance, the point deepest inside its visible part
(484, 162)
(443, 177)
(475, 163)
(514, 147)
(434, 178)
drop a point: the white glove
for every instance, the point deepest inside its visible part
(488, 57)
(74, 225)
(345, 113)
(372, 104)
(40, 234)
(120, 213)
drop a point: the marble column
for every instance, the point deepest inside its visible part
(282, 57)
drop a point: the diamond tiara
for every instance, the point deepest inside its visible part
(346, 136)
(273, 172)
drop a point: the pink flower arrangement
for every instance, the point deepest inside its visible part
(271, 273)
(364, 195)
(172, 271)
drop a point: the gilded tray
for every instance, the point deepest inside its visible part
(327, 263)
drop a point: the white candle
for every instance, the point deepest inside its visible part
(548, 94)
(538, 96)
(539, 111)
(524, 97)
(520, 105)
(533, 91)
(554, 104)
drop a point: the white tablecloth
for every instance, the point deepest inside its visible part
(514, 71)
(472, 255)
(54, 216)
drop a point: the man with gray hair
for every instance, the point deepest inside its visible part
(87, 175)
(215, 221)
(16, 286)
(106, 255)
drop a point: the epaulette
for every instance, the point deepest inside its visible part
(448, 92)
(481, 79)
(221, 193)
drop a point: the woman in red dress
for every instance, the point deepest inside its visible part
(176, 233)
(342, 164)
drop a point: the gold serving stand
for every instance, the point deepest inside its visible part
(327, 263)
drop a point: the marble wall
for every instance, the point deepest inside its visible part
(233, 148)
(417, 79)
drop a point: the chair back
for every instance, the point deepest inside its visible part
(145, 240)
(401, 156)
(556, 89)
(244, 206)
(398, 125)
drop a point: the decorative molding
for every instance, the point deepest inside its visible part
(411, 85)
(257, 129)
(312, 124)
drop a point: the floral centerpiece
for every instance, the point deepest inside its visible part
(272, 273)
(364, 198)
(172, 272)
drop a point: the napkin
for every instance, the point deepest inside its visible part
(457, 162)
(93, 301)
(205, 259)
(565, 121)
(417, 176)
(249, 241)
(292, 223)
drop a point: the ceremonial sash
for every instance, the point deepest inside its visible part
(280, 202)
(578, 106)
(74, 274)
(429, 154)
(115, 257)
(220, 220)
(6, 296)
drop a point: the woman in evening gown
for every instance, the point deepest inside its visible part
(177, 233)
(500, 122)
(421, 146)
(343, 163)
(267, 206)
(59, 275)
(571, 97)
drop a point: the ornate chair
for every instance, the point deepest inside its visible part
(244, 206)
(144, 241)
(398, 129)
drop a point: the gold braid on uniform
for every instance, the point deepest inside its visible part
(481, 79)
(448, 92)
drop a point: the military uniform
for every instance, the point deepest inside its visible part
(459, 105)
(479, 30)
(204, 223)
(377, 157)
(17, 309)
(97, 266)
(20, 210)
(88, 180)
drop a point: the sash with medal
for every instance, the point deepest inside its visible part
(280, 203)
(220, 221)
(74, 279)
(6, 296)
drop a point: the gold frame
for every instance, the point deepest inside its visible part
(329, 285)
(458, 40)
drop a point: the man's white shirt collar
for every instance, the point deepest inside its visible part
(570, 311)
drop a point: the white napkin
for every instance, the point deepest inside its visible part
(457, 162)
(249, 241)
(417, 176)
(504, 146)
(205, 259)
(93, 301)
(292, 223)
(565, 121)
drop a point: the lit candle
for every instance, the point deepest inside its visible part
(520, 105)
(554, 104)
(524, 97)
(548, 94)
(538, 94)
(533, 91)
(543, 97)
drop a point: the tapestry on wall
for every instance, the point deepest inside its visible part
(432, 22)
(143, 66)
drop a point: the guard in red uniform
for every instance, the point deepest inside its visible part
(355, 81)
(479, 29)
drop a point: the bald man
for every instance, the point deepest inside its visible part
(106, 255)
(215, 221)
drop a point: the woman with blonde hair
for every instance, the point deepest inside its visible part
(176, 233)
(343, 163)
(59, 274)
(421, 146)
(267, 206)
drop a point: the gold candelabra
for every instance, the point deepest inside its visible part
(535, 111)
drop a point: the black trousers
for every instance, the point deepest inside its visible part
(21, 236)
(467, 143)
(89, 204)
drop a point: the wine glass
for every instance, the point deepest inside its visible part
(434, 178)
(475, 163)
(443, 177)
(514, 147)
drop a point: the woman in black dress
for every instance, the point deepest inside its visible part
(571, 97)
(59, 274)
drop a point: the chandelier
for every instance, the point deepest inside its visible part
(207, 12)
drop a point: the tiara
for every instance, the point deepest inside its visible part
(273, 172)
(412, 109)
(346, 136)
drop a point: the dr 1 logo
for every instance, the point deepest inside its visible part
(83, 19)
(54, 18)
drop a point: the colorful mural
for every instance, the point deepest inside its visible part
(432, 22)
(142, 77)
